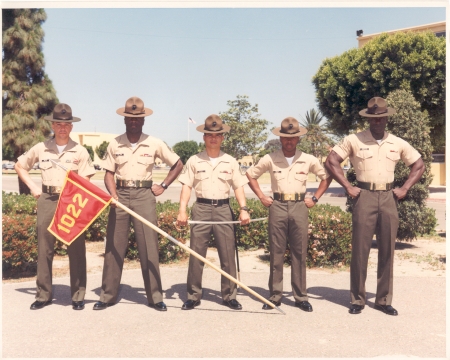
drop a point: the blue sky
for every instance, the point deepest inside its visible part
(190, 62)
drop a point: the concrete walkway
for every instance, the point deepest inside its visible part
(131, 329)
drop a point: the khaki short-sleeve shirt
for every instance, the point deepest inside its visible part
(137, 163)
(212, 182)
(74, 157)
(375, 162)
(287, 178)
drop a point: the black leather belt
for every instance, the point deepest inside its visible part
(51, 190)
(134, 183)
(214, 202)
(288, 197)
(375, 186)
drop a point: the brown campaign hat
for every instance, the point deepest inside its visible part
(289, 128)
(62, 113)
(134, 107)
(377, 107)
(213, 125)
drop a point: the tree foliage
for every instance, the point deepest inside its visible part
(410, 61)
(248, 131)
(412, 125)
(185, 149)
(315, 141)
(90, 151)
(269, 147)
(101, 149)
(28, 93)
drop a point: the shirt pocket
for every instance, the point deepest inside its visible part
(224, 181)
(201, 182)
(121, 165)
(46, 170)
(392, 159)
(364, 159)
(144, 165)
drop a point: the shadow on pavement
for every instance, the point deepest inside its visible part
(336, 296)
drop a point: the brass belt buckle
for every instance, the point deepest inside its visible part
(288, 197)
(380, 186)
(57, 189)
(131, 183)
(214, 202)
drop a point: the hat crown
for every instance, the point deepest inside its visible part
(62, 112)
(290, 126)
(134, 106)
(377, 106)
(213, 123)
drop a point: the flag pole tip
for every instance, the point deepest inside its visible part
(281, 311)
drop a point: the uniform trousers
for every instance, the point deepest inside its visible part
(225, 242)
(143, 202)
(288, 224)
(374, 212)
(46, 207)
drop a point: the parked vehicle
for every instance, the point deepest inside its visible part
(8, 166)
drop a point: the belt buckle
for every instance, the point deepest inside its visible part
(216, 202)
(131, 183)
(380, 186)
(289, 197)
(57, 189)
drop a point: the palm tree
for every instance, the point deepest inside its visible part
(316, 141)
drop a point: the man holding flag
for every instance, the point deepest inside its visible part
(130, 158)
(74, 156)
(212, 174)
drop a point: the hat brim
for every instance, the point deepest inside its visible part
(51, 118)
(225, 128)
(390, 111)
(277, 132)
(121, 111)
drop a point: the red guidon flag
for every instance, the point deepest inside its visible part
(80, 203)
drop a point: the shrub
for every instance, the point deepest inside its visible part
(19, 244)
(12, 203)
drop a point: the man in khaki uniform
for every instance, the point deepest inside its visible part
(131, 157)
(212, 174)
(76, 158)
(373, 154)
(288, 209)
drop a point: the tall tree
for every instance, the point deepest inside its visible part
(90, 151)
(101, 149)
(248, 131)
(410, 61)
(185, 149)
(28, 93)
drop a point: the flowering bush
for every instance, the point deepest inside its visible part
(19, 244)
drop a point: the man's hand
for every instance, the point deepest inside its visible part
(36, 192)
(157, 189)
(353, 191)
(112, 203)
(244, 217)
(309, 203)
(182, 218)
(400, 193)
(266, 200)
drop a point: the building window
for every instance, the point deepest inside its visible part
(440, 34)
(438, 158)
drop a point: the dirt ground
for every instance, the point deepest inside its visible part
(422, 257)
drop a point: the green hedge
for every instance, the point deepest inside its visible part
(329, 233)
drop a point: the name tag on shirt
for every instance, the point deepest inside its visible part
(146, 155)
(119, 154)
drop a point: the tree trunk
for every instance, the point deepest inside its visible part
(23, 188)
